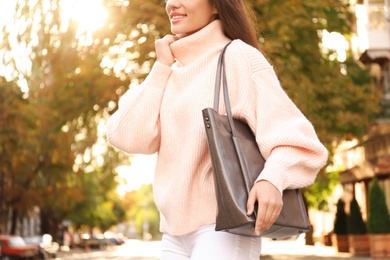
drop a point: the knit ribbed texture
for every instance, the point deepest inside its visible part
(163, 115)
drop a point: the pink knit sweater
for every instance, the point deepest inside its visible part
(163, 115)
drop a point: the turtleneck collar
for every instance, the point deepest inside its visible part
(189, 48)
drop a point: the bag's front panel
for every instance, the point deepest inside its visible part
(232, 197)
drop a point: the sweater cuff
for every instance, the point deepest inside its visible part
(292, 167)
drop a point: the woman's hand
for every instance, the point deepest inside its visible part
(270, 205)
(163, 49)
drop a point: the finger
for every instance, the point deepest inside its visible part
(261, 217)
(260, 220)
(254, 197)
(166, 40)
(274, 216)
(250, 205)
(271, 218)
(170, 38)
(179, 36)
(267, 215)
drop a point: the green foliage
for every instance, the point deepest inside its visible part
(319, 192)
(339, 98)
(144, 211)
(57, 132)
(356, 225)
(340, 223)
(99, 205)
(378, 214)
(19, 152)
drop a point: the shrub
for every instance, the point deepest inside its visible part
(378, 214)
(356, 225)
(340, 223)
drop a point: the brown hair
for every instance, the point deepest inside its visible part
(238, 20)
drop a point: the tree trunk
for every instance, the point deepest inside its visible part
(3, 208)
(50, 225)
(14, 221)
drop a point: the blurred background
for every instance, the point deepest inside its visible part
(65, 63)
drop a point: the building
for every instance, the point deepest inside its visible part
(371, 157)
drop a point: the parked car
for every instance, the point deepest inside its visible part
(94, 242)
(47, 248)
(14, 247)
(116, 241)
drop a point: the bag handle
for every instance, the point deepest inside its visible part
(221, 73)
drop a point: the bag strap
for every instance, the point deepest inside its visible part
(218, 78)
(221, 73)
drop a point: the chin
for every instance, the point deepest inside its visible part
(176, 31)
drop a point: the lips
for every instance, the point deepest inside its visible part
(175, 17)
(178, 16)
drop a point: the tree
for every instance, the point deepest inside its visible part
(356, 224)
(340, 227)
(144, 211)
(18, 149)
(99, 206)
(68, 96)
(341, 219)
(338, 97)
(378, 214)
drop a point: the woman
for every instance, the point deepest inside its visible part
(163, 115)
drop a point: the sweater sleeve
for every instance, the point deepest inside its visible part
(287, 140)
(134, 127)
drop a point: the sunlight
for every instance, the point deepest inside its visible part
(141, 171)
(335, 41)
(89, 15)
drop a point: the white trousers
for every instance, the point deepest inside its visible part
(207, 244)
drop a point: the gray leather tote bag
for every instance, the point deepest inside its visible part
(237, 162)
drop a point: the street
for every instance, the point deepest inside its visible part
(131, 250)
(150, 250)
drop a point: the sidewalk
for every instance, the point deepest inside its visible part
(271, 250)
(297, 250)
